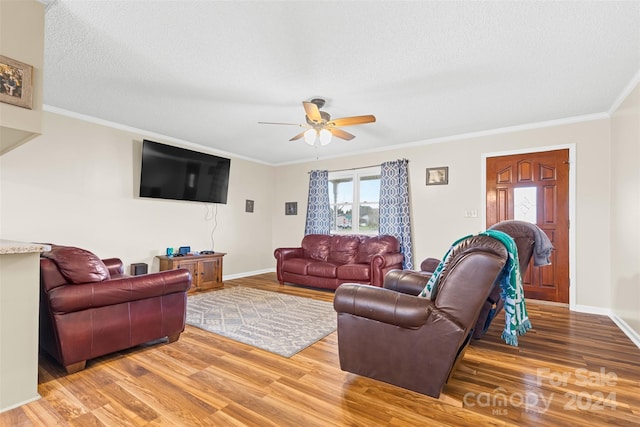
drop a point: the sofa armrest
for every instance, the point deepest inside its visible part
(285, 253)
(78, 297)
(429, 265)
(386, 260)
(406, 281)
(382, 305)
(381, 264)
(115, 266)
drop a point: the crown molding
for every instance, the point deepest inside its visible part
(145, 133)
(625, 93)
(459, 137)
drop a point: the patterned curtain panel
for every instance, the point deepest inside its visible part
(318, 208)
(395, 219)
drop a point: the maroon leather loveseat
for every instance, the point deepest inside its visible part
(327, 261)
(89, 307)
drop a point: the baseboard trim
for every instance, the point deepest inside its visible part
(621, 324)
(8, 408)
(248, 273)
(624, 327)
(589, 309)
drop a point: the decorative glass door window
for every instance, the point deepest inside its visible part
(525, 204)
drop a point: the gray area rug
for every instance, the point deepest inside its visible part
(279, 323)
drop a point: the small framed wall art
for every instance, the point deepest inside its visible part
(438, 176)
(248, 206)
(16, 83)
(291, 208)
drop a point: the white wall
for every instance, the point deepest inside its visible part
(77, 184)
(438, 211)
(625, 212)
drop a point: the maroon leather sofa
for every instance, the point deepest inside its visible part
(89, 307)
(327, 261)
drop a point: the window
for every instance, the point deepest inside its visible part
(355, 194)
(524, 204)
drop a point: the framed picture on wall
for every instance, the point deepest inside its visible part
(438, 176)
(16, 83)
(291, 208)
(248, 206)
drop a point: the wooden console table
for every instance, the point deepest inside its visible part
(206, 270)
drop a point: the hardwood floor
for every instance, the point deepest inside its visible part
(570, 369)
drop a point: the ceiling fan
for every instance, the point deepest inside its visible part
(321, 126)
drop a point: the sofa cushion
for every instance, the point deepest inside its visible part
(316, 246)
(359, 272)
(323, 269)
(78, 265)
(297, 265)
(376, 245)
(343, 249)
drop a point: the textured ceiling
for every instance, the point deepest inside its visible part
(207, 71)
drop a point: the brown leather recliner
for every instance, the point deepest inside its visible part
(524, 235)
(411, 341)
(89, 307)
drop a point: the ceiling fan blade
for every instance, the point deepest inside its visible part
(277, 123)
(298, 136)
(339, 133)
(350, 121)
(312, 112)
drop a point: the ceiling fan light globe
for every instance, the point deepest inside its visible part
(310, 136)
(325, 137)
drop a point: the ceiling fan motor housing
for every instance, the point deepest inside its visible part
(318, 101)
(325, 118)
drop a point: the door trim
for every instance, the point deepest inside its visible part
(572, 203)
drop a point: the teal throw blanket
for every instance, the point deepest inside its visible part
(516, 317)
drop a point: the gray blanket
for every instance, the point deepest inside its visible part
(541, 248)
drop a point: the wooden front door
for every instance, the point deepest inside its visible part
(534, 187)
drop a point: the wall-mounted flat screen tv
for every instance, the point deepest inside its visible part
(170, 172)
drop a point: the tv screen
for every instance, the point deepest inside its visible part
(176, 173)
